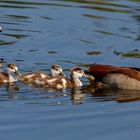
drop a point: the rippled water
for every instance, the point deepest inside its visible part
(37, 34)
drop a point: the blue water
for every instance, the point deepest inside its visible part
(37, 34)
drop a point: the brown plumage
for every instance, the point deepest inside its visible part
(33, 77)
(11, 74)
(61, 82)
(118, 77)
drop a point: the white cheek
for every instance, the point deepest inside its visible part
(12, 70)
(78, 75)
(16, 68)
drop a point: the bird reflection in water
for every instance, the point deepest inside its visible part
(12, 89)
(117, 95)
(79, 96)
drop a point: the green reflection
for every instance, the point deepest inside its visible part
(131, 54)
(52, 52)
(99, 2)
(104, 32)
(19, 4)
(75, 63)
(93, 16)
(17, 16)
(106, 9)
(6, 42)
(135, 0)
(17, 36)
(12, 6)
(94, 53)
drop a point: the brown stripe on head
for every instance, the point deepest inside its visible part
(76, 69)
(55, 66)
(12, 66)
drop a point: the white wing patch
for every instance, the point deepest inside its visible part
(51, 80)
(29, 76)
(43, 75)
(59, 86)
(64, 83)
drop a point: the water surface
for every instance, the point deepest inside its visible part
(37, 34)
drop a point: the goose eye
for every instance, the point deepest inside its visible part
(79, 71)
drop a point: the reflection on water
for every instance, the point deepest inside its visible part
(77, 96)
(37, 34)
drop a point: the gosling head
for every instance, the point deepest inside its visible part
(56, 70)
(12, 68)
(77, 72)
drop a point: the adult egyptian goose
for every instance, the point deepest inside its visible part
(117, 77)
(62, 82)
(11, 75)
(32, 77)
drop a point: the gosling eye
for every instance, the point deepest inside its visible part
(12, 67)
(57, 69)
(80, 71)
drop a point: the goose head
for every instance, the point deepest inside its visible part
(56, 70)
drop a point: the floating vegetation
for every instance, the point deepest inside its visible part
(75, 63)
(32, 50)
(17, 17)
(17, 36)
(105, 32)
(41, 63)
(7, 43)
(131, 54)
(117, 52)
(93, 16)
(94, 53)
(86, 41)
(22, 30)
(19, 60)
(47, 18)
(52, 52)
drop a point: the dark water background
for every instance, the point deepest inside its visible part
(40, 33)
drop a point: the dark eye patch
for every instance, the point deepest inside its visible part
(56, 69)
(79, 71)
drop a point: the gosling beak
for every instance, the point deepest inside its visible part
(17, 73)
(88, 76)
(62, 73)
